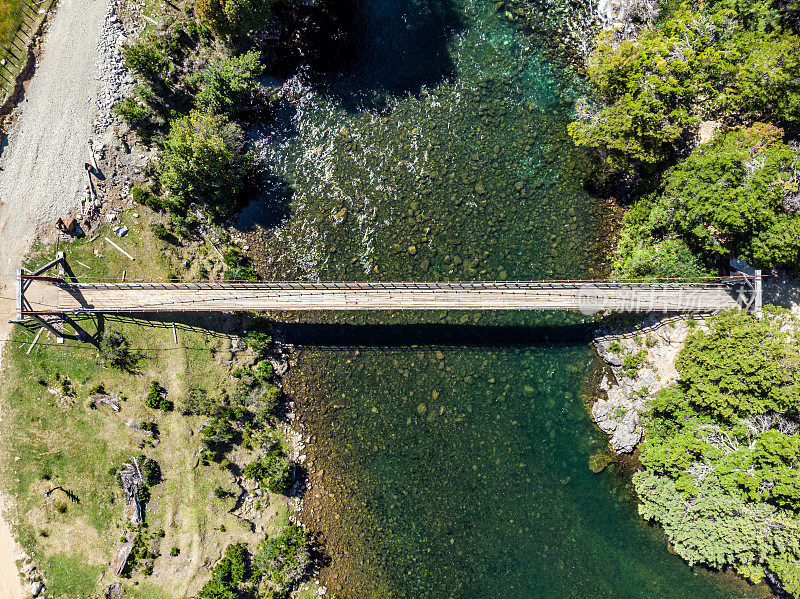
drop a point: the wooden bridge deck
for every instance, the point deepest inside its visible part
(50, 295)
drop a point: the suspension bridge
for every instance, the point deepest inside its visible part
(40, 294)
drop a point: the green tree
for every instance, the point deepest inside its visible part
(281, 560)
(204, 160)
(729, 198)
(227, 83)
(235, 17)
(230, 572)
(659, 86)
(274, 470)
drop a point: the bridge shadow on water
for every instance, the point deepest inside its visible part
(331, 335)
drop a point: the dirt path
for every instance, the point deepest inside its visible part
(41, 176)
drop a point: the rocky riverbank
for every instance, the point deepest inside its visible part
(639, 362)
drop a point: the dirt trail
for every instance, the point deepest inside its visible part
(41, 167)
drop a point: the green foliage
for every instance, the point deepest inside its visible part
(258, 339)
(264, 371)
(146, 60)
(235, 17)
(230, 572)
(115, 351)
(631, 363)
(281, 560)
(240, 273)
(204, 161)
(217, 437)
(160, 231)
(130, 110)
(275, 471)
(228, 82)
(174, 552)
(696, 65)
(728, 197)
(156, 398)
(716, 528)
(667, 259)
(740, 366)
(721, 448)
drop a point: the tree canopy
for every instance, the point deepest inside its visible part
(721, 448)
(735, 196)
(235, 17)
(204, 161)
(658, 86)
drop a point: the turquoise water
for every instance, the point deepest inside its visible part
(450, 450)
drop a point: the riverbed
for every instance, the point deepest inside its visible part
(449, 452)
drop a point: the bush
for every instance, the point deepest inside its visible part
(721, 448)
(281, 560)
(174, 552)
(652, 259)
(264, 371)
(235, 17)
(160, 231)
(115, 351)
(728, 197)
(228, 83)
(130, 110)
(147, 61)
(204, 161)
(156, 398)
(274, 471)
(240, 273)
(230, 572)
(216, 437)
(197, 402)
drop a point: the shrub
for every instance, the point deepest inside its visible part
(130, 110)
(652, 259)
(631, 363)
(263, 371)
(197, 402)
(216, 437)
(728, 197)
(721, 450)
(235, 17)
(204, 161)
(240, 273)
(227, 83)
(281, 560)
(156, 398)
(147, 61)
(160, 231)
(275, 471)
(231, 571)
(115, 351)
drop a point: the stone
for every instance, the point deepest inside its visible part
(36, 588)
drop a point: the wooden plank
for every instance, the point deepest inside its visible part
(119, 248)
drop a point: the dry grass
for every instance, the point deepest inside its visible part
(53, 439)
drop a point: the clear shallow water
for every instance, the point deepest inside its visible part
(450, 450)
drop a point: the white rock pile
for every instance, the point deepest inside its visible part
(626, 397)
(115, 78)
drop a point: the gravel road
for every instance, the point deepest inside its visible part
(41, 166)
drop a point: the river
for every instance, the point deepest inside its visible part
(450, 450)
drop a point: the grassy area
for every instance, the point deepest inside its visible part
(19, 20)
(53, 436)
(9, 9)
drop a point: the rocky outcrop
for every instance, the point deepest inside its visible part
(641, 362)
